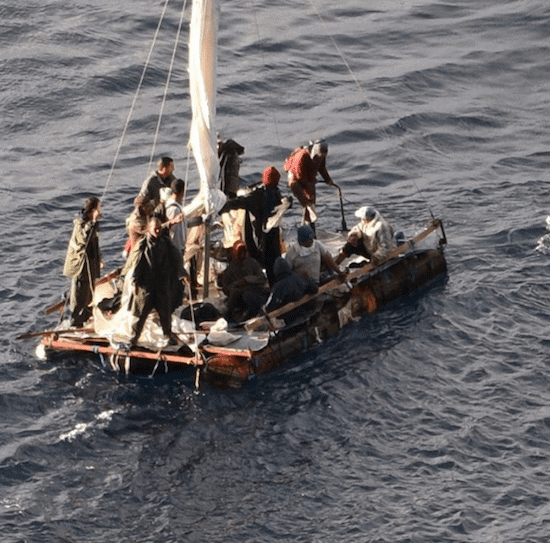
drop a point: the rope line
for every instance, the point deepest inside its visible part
(166, 86)
(358, 83)
(264, 63)
(132, 107)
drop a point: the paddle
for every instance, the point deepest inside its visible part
(58, 305)
(258, 322)
(29, 335)
(344, 225)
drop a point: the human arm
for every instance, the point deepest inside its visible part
(322, 169)
(328, 261)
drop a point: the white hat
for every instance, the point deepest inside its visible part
(365, 212)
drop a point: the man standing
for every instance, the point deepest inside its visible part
(230, 163)
(262, 240)
(157, 280)
(83, 261)
(161, 179)
(174, 214)
(302, 166)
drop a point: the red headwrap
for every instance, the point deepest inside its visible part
(238, 247)
(270, 177)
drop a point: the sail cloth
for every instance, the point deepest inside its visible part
(203, 52)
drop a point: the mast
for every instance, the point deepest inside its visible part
(203, 52)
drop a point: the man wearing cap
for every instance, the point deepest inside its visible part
(308, 254)
(372, 237)
(302, 166)
(262, 240)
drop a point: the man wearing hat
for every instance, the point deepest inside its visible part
(307, 255)
(244, 283)
(302, 166)
(372, 237)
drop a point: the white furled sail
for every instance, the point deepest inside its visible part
(203, 47)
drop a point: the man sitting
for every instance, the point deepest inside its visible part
(289, 287)
(372, 237)
(308, 255)
(245, 285)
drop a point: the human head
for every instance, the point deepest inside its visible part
(319, 147)
(239, 250)
(144, 205)
(305, 235)
(154, 227)
(281, 268)
(92, 208)
(165, 166)
(270, 177)
(367, 213)
(178, 187)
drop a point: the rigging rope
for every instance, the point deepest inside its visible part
(275, 124)
(138, 90)
(358, 83)
(339, 51)
(169, 76)
(132, 107)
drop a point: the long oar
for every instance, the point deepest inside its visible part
(29, 335)
(344, 225)
(100, 281)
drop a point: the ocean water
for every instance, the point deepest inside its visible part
(427, 422)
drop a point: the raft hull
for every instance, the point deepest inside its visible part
(224, 366)
(397, 280)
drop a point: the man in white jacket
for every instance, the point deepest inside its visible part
(372, 237)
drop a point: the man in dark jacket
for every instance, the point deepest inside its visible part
(160, 179)
(262, 240)
(157, 277)
(230, 163)
(289, 287)
(83, 261)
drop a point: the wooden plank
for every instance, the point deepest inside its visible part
(29, 335)
(59, 305)
(63, 345)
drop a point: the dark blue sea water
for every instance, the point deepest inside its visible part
(428, 422)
